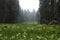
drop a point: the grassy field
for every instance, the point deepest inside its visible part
(29, 32)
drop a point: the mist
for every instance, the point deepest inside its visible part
(28, 17)
(28, 12)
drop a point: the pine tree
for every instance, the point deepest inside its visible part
(9, 11)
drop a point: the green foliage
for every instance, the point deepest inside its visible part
(29, 32)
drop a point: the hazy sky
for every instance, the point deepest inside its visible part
(29, 4)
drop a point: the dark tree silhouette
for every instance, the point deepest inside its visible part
(48, 11)
(9, 11)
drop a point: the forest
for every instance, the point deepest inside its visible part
(48, 12)
(19, 24)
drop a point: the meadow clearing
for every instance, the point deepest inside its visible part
(29, 32)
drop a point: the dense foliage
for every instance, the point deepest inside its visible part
(29, 32)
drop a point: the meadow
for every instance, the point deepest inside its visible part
(29, 32)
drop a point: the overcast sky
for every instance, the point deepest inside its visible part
(29, 4)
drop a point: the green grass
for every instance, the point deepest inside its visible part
(29, 32)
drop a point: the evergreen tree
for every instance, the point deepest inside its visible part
(9, 11)
(48, 11)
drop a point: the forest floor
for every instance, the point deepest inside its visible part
(29, 32)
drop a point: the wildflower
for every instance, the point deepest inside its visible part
(58, 39)
(24, 36)
(40, 37)
(18, 34)
(12, 37)
(31, 38)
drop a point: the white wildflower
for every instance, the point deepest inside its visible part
(40, 37)
(12, 37)
(31, 38)
(58, 39)
(18, 34)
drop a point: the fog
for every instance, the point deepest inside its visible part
(28, 17)
(29, 10)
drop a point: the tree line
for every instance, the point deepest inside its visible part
(9, 11)
(49, 11)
